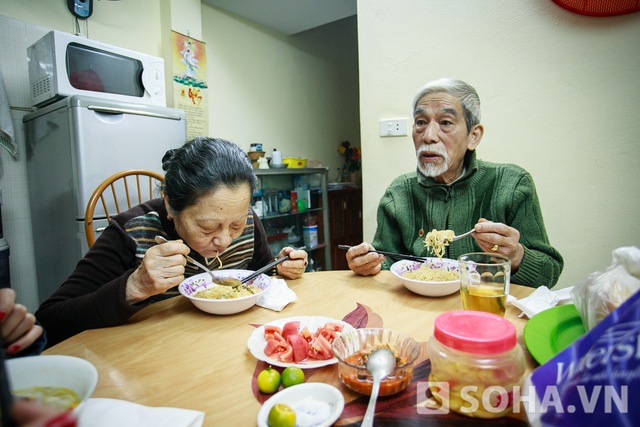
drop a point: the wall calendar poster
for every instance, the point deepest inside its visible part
(189, 85)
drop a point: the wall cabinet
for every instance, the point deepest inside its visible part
(293, 206)
(345, 211)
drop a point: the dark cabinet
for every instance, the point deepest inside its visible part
(292, 205)
(345, 218)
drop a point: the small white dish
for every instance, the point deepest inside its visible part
(256, 342)
(430, 289)
(316, 404)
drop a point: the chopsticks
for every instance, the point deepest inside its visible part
(392, 255)
(160, 240)
(6, 396)
(269, 266)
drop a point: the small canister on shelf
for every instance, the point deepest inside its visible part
(475, 363)
(276, 157)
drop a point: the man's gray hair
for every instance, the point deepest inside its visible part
(464, 92)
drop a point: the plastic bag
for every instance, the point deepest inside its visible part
(593, 382)
(603, 291)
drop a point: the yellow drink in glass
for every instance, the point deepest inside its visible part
(491, 299)
(484, 282)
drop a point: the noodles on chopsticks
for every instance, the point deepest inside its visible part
(437, 240)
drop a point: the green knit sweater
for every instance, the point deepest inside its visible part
(498, 192)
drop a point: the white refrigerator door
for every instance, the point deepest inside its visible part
(108, 139)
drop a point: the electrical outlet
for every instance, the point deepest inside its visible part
(395, 127)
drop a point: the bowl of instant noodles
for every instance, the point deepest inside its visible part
(435, 277)
(219, 299)
(64, 382)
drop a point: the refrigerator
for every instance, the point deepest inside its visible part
(72, 146)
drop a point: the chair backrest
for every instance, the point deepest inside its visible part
(124, 186)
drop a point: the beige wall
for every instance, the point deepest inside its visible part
(135, 25)
(560, 97)
(297, 93)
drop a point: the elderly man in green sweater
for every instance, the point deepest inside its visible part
(453, 190)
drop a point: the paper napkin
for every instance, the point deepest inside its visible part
(277, 296)
(541, 299)
(100, 412)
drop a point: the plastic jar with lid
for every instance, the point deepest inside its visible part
(475, 363)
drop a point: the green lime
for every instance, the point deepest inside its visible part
(292, 375)
(268, 380)
(281, 415)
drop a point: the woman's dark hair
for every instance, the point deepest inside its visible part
(200, 167)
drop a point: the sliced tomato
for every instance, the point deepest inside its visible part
(279, 350)
(269, 330)
(306, 334)
(300, 347)
(276, 336)
(290, 328)
(328, 333)
(320, 349)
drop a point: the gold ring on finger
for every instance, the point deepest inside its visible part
(495, 248)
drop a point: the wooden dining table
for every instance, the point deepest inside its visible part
(171, 354)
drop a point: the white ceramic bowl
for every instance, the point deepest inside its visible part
(430, 289)
(70, 372)
(222, 306)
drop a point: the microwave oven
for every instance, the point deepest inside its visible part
(63, 64)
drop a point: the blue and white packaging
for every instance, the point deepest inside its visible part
(594, 381)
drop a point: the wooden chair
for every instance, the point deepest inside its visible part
(124, 186)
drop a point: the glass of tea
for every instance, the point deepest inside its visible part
(484, 282)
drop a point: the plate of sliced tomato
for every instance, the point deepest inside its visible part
(302, 341)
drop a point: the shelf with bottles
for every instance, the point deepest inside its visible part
(293, 207)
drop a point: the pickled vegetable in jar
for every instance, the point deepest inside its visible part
(475, 363)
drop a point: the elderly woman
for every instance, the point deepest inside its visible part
(204, 212)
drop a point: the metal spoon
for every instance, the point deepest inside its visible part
(462, 235)
(224, 281)
(380, 364)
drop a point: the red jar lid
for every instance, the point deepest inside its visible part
(475, 332)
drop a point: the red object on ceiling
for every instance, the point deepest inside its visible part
(600, 7)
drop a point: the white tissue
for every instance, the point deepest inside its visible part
(277, 296)
(100, 412)
(542, 299)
